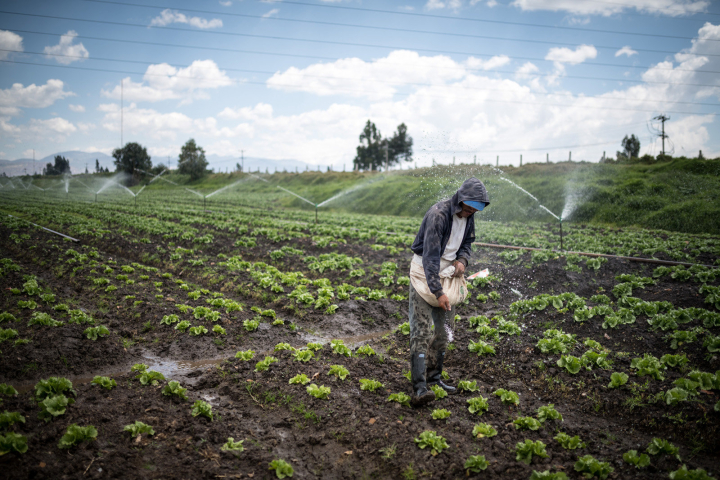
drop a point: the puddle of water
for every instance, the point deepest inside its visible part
(171, 369)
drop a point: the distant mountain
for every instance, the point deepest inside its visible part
(78, 160)
(223, 163)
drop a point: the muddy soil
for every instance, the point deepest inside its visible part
(353, 433)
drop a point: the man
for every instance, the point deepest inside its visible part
(445, 239)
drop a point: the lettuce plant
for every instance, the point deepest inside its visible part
(592, 359)
(12, 442)
(203, 408)
(283, 346)
(648, 365)
(320, 392)
(683, 473)
(264, 364)
(527, 423)
(488, 333)
(169, 319)
(53, 386)
(438, 391)
(548, 412)
(366, 350)
(524, 451)
(618, 379)
(589, 467)
(303, 355)
(75, 435)
(483, 430)
(79, 317)
(173, 388)
(570, 363)
(478, 405)
(7, 317)
(639, 461)
(508, 327)
(150, 377)
(182, 326)
(139, 428)
(401, 398)
(314, 347)
(7, 334)
(245, 355)
(476, 463)
(404, 328)
(468, 386)
(8, 419)
(507, 396)
(659, 446)
(339, 371)
(251, 325)
(340, 348)
(28, 304)
(232, 446)
(105, 382)
(94, 332)
(300, 378)
(568, 442)
(369, 385)
(40, 318)
(197, 331)
(548, 475)
(53, 406)
(430, 439)
(282, 468)
(219, 330)
(481, 348)
(674, 361)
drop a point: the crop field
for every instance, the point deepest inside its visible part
(233, 341)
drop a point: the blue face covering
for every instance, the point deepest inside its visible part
(476, 205)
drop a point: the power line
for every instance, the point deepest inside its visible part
(268, 72)
(294, 39)
(480, 20)
(347, 90)
(637, 7)
(375, 27)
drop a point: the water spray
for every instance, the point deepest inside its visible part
(561, 235)
(301, 198)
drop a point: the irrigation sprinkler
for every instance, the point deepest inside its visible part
(304, 199)
(561, 235)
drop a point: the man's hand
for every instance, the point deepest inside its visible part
(444, 302)
(459, 269)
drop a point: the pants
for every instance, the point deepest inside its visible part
(422, 338)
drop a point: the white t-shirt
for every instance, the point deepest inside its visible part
(456, 237)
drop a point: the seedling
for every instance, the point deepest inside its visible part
(12, 442)
(570, 363)
(340, 348)
(527, 423)
(468, 386)
(139, 428)
(548, 412)
(182, 326)
(314, 347)
(282, 468)
(300, 378)
(339, 371)
(232, 446)
(150, 377)
(40, 318)
(430, 439)
(481, 348)
(440, 414)
(173, 388)
(8, 419)
(476, 463)
(478, 405)
(639, 461)
(203, 408)
(218, 330)
(245, 355)
(590, 467)
(618, 379)
(251, 325)
(170, 319)
(75, 435)
(438, 391)
(105, 382)
(366, 350)
(264, 364)
(401, 398)
(507, 396)
(659, 446)
(197, 331)
(304, 355)
(320, 392)
(283, 346)
(94, 332)
(484, 430)
(568, 442)
(369, 385)
(524, 451)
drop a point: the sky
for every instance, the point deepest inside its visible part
(471, 79)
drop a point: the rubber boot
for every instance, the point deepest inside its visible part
(421, 394)
(434, 376)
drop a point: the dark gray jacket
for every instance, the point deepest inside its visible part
(434, 233)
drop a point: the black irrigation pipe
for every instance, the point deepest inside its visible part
(606, 255)
(47, 229)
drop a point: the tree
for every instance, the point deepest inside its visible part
(62, 166)
(631, 148)
(158, 169)
(192, 160)
(374, 152)
(132, 158)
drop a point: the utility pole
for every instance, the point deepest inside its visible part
(521, 159)
(662, 118)
(387, 161)
(474, 159)
(547, 158)
(497, 161)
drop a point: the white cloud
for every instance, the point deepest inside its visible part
(33, 96)
(261, 110)
(272, 12)
(66, 51)
(77, 108)
(378, 79)
(671, 8)
(9, 41)
(626, 50)
(169, 16)
(491, 3)
(573, 57)
(489, 64)
(157, 125)
(226, 3)
(439, 4)
(53, 130)
(165, 82)
(526, 69)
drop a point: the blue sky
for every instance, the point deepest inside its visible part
(299, 79)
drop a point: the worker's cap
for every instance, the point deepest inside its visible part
(476, 205)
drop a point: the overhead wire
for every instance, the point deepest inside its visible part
(383, 28)
(394, 84)
(489, 100)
